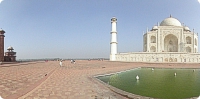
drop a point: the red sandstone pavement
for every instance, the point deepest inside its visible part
(47, 80)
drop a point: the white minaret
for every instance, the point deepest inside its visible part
(113, 43)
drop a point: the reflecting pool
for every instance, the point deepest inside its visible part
(157, 83)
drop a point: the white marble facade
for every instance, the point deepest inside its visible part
(169, 41)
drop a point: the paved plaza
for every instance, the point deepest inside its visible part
(47, 80)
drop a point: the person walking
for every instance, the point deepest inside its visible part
(61, 63)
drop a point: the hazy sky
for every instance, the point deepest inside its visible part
(81, 28)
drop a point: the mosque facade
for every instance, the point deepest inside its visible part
(169, 41)
(10, 55)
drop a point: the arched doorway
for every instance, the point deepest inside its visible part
(145, 43)
(153, 39)
(188, 40)
(195, 42)
(9, 59)
(171, 43)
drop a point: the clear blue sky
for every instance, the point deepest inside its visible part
(81, 28)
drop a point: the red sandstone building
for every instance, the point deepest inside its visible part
(10, 56)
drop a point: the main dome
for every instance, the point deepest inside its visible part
(170, 22)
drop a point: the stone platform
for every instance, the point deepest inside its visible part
(47, 80)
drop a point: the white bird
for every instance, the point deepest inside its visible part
(152, 69)
(137, 77)
(174, 74)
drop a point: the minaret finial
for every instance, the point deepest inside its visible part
(170, 16)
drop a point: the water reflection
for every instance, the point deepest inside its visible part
(137, 82)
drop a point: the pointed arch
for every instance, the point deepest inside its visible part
(195, 41)
(171, 43)
(188, 40)
(153, 39)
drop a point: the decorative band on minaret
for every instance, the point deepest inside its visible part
(113, 43)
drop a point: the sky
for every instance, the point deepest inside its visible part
(81, 28)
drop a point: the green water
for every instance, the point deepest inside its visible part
(159, 83)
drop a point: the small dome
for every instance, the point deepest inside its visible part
(154, 27)
(114, 19)
(186, 28)
(170, 22)
(10, 48)
(1, 30)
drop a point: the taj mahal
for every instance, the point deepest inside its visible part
(169, 41)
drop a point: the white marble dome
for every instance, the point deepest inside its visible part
(186, 28)
(1, 30)
(154, 27)
(10, 48)
(170, 22)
